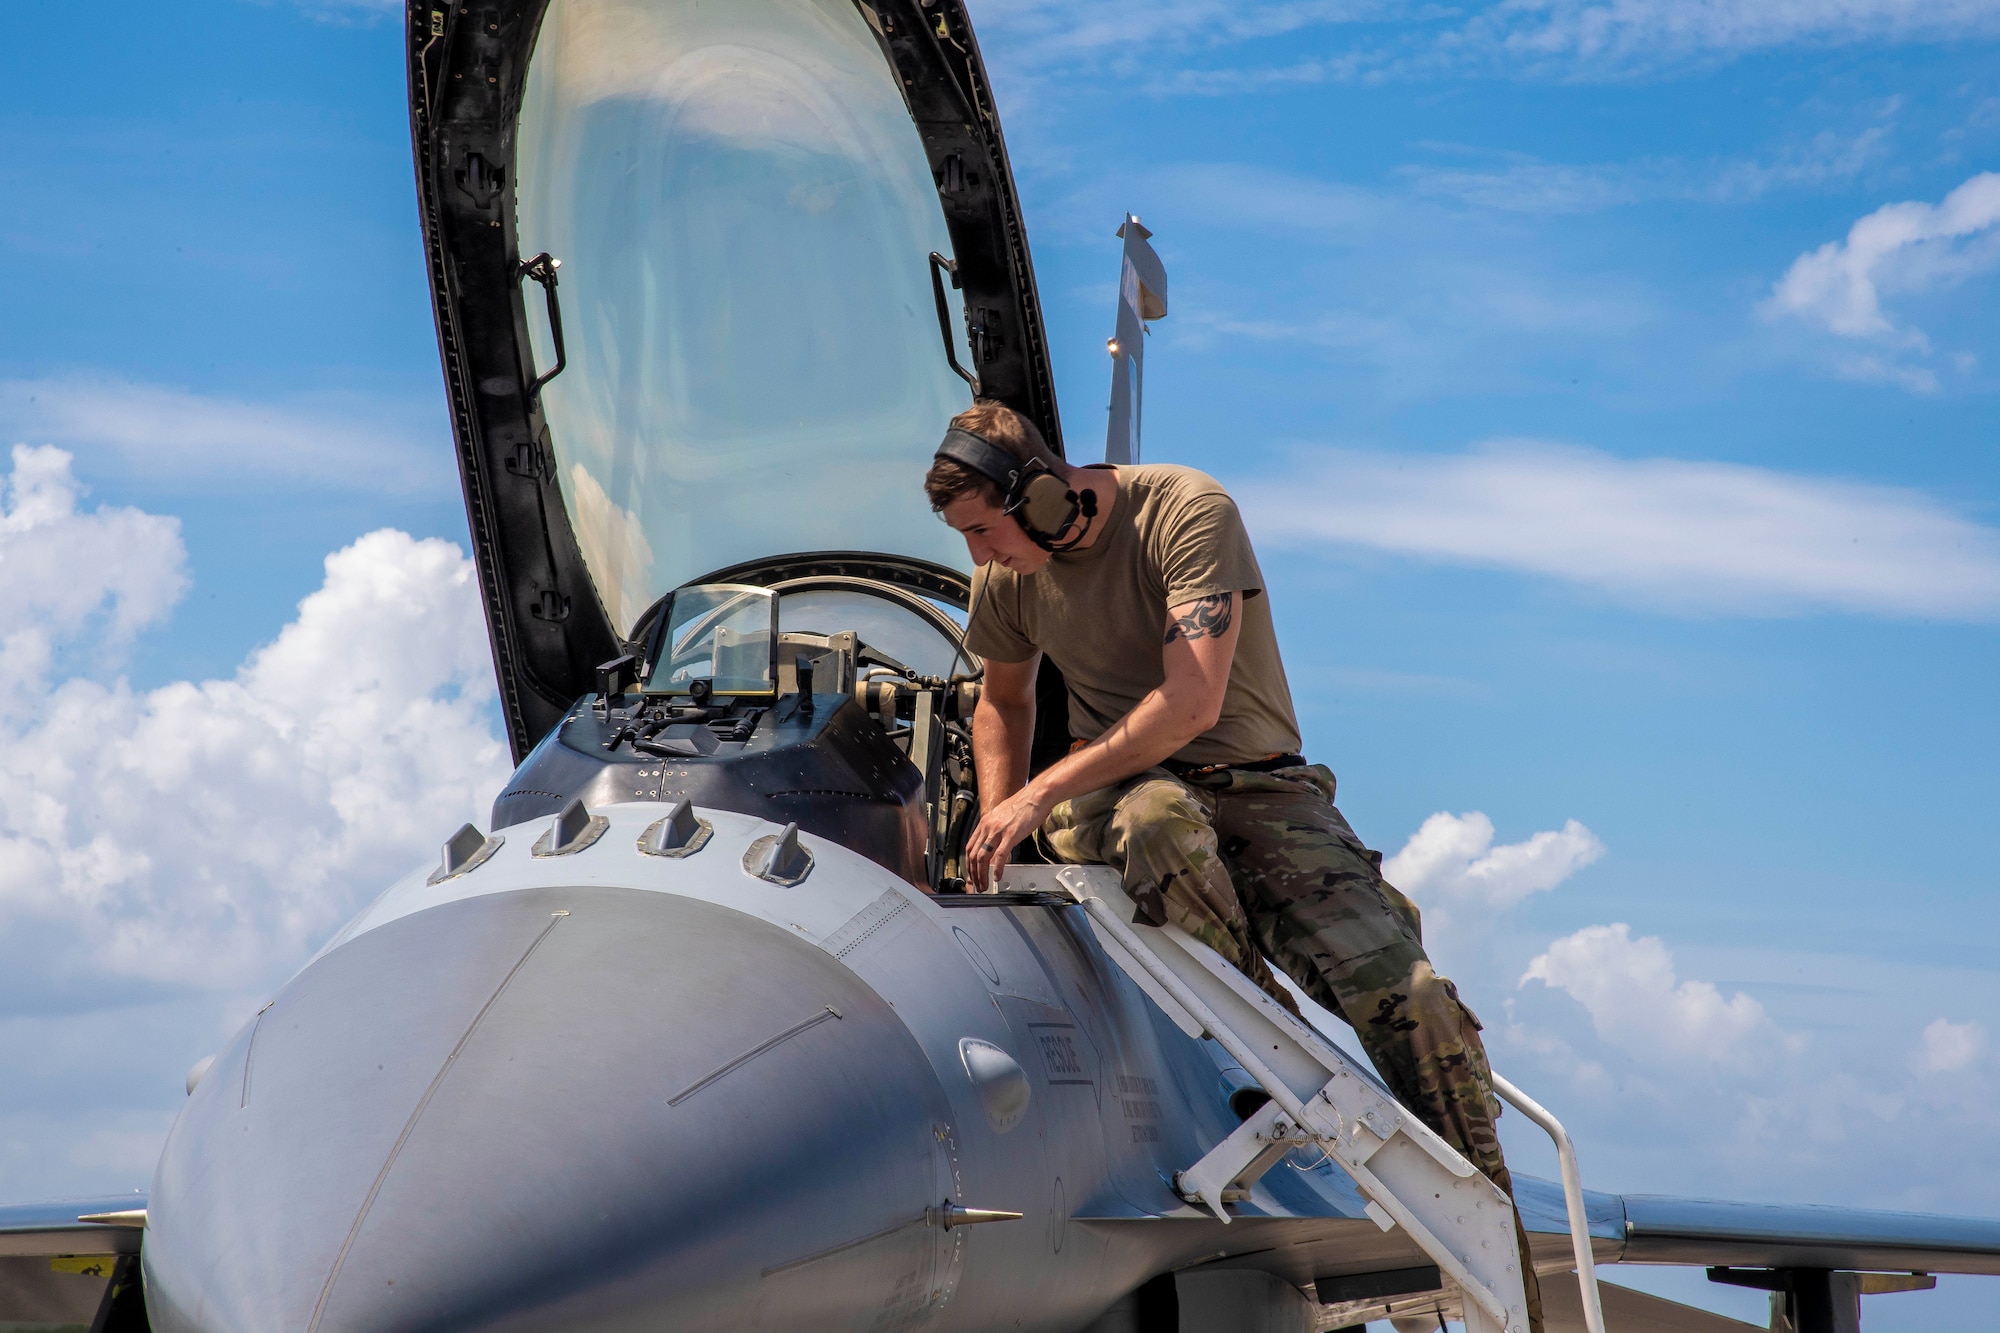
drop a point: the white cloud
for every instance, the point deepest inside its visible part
(1949, 1047)
(205, 832)
(1691, 536)
(1263, 197)
(344, 11)
(1898, 249)
(63, 572)
(346, 441)
(1517, 183)
(1165, 44)
(1048, 29)
(1633, 997)
(1452, 860)
(1870, 368)
(1605, 36)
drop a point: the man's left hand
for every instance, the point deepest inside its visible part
(1000, 830)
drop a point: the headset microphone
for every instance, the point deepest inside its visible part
(1030, 493)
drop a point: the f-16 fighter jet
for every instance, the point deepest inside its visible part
(701, 1031)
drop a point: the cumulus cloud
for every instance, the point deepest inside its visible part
(1451, 860)
(347, 441)
(1947, 1047)
(1689, 536)
(203, 832)
(1899, 248)
(66, 574)
(1633, 997)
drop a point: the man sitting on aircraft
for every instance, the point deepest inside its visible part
(1140, 584)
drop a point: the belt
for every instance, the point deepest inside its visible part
(1269, 763)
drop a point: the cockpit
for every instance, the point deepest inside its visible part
(834, 700)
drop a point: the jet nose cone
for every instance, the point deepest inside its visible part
(586, 1108)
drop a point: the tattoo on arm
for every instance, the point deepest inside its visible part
(1208, 618)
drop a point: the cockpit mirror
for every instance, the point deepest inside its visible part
(718, 640)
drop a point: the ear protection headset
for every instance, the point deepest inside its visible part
(1031, 495)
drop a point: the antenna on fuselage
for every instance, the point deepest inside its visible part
(1142, 296)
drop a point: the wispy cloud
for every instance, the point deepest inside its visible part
(346, 441)
(1517, 183)
(343, 11)
(1687, 536)
(1584, 37)
(1172, 48)
(1901, 248)
(1269, 198)
(1051, 31)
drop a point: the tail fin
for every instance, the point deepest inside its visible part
(1142, 295)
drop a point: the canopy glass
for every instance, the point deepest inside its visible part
(743, 213)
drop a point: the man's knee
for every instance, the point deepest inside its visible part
(1162, 820)
(1405, 993)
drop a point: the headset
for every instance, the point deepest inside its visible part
(1031, 495)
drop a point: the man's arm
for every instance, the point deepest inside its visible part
(1003, 728)
(1197, 648)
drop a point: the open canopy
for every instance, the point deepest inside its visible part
(744, 215)
(695, 268)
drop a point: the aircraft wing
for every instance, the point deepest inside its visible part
(1360, 1272)
(1663, 1230)
(58, 1271)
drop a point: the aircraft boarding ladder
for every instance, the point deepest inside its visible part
(1320, 1099)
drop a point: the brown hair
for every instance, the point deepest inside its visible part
(949, 479)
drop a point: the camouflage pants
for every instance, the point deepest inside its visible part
(1262, 865)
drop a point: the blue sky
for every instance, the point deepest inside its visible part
(1604, 471)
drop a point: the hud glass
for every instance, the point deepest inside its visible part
(722, 633)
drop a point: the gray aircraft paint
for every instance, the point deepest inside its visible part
(608, 1089)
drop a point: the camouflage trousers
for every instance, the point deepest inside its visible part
(1262, 865)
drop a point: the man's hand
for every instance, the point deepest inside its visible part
(1003, 729)
(1002, 829)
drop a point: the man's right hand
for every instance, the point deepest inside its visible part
(1003, 729)
(1002, 829)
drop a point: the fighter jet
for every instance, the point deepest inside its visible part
(703, 1031)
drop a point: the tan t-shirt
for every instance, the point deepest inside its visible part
(1100, 614)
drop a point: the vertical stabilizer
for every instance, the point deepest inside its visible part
(1142, 296)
